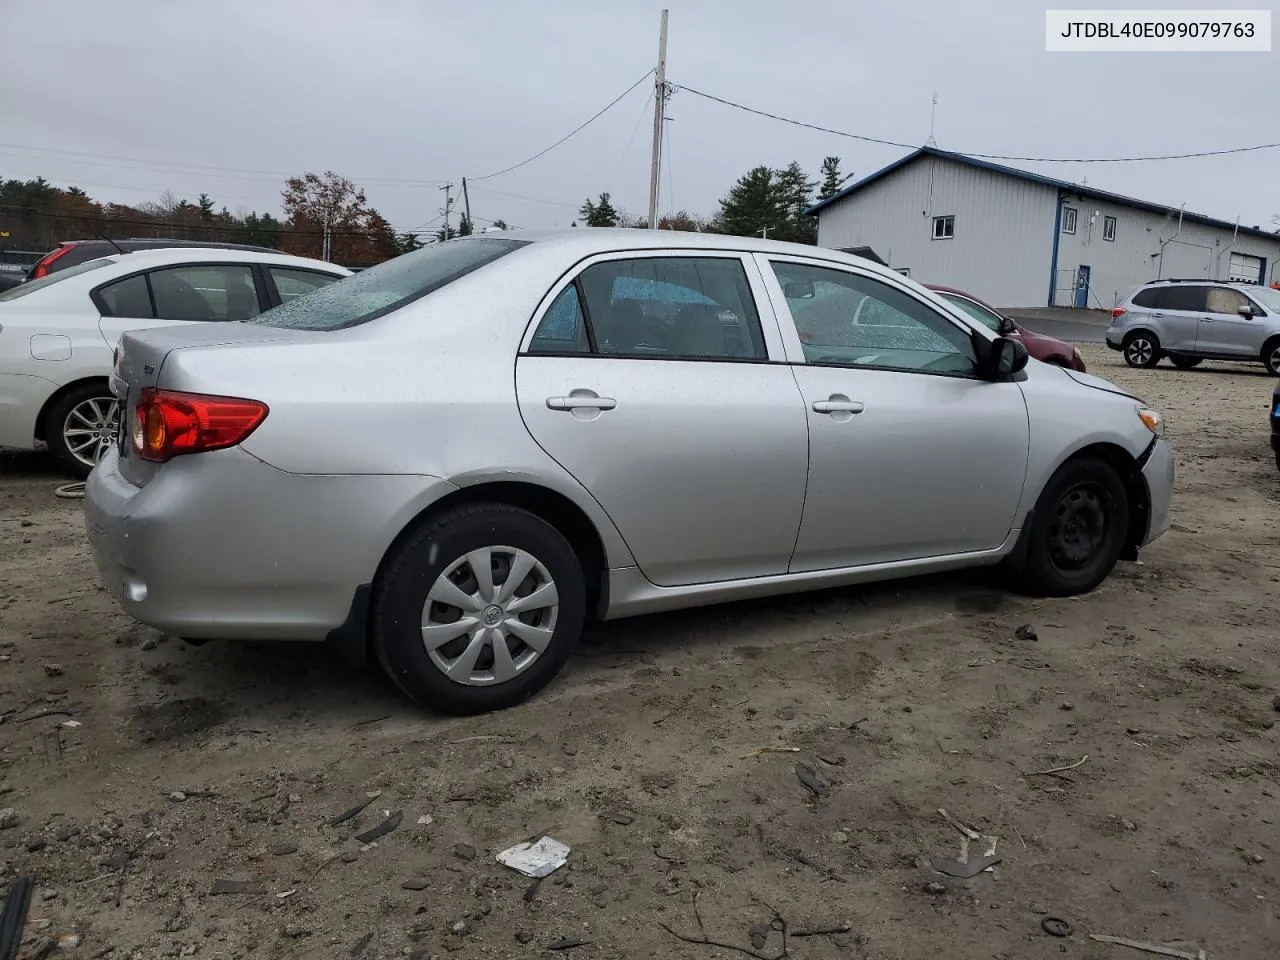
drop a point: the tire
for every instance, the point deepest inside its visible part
(1185, 363)
(1085, 487)
(1141, 349)
(434, 559)
(1271, 356)
(76, 411)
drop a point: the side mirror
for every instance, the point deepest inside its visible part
(1007, 327)
(1001, 358)
(799, 291)
(1246, 311)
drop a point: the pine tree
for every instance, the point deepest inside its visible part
(206, 207)
(831, 178)
(465, 227)
(795, 191)
(754, 204)
(599, 214)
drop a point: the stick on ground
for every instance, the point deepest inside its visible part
(1147, 947)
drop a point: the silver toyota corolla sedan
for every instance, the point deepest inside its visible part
(456, 458)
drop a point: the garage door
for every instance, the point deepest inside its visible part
(1245, 268)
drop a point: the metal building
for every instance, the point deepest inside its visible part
(1018, 239)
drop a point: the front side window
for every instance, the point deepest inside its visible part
(291, 283)
(390, 285)
(1068, 219)
(222, 291)
(944, 228)
(847, 319)
(1109, 228)
(984, 316)
(1225, 300)
(686, 308)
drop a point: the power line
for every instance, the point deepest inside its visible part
(978, 156)
(520, 196)
(612, 103)
(631, 139)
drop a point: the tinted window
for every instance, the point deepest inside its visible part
(981, 314)
(31, 286)
(1152, 298)
(1178, 297)
(291, 284)
(214, 292)
(563, 328)
(848, 319)
(680, 307)
(388, 286)
(1224, 300)
(126, 298)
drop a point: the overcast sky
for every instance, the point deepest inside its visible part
(129, 98)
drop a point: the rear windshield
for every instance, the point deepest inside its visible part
(31, 286)
(379, 290)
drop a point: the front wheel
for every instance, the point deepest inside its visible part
(1271, 356)
(478, 609)
(1141, 349)
(81, 427)
(1078, 530)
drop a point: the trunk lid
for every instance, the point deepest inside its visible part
(139, 363)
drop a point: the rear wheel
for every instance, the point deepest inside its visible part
(1185, 363)
(478, 609)
(81, 427)
(1078, 530)
(1141, 349)
(1271, 356)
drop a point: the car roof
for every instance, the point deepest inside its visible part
(163, 256)
(1241, 284)
(586, 241)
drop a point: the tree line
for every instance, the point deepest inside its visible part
(327, 214)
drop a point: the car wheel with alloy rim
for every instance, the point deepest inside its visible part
(81, 427)
(1141, 349)
(478, 608)
(1271, 356)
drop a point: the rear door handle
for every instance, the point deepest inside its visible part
(841, 405)
(1207, 319)
(1157, 316)
(580, 403)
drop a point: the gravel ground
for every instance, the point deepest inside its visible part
(140, 773)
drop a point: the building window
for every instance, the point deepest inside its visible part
(1109, 228)
(944, 228)
(1068, 219)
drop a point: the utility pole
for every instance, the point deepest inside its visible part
(933, 112)
(466, 204)
(448, 202)
(659, 111)
(326, 241)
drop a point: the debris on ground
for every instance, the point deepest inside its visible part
(1026, 632)
(537, 860)
(567, 944)
(351, 812)
(1149, 947)
(8, 818)
(222, 887)
(1055, 927)
(761, 751)
(812, 780)
(963, 871)
(382, 829)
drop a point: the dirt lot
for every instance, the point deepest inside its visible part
(903, 699)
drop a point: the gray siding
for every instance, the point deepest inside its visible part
(1004, 232)
(1003, 242)
(1135, 256)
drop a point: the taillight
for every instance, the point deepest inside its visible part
(167, 423)
(1117, 313)
(44, 266)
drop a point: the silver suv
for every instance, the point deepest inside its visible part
(1193, 320)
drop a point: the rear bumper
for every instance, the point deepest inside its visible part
(223, 546)
(1158, 472)
(21, 399)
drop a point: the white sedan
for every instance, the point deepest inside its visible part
(58, 334)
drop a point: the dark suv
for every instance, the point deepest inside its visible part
(1275, 423)
(69, 253)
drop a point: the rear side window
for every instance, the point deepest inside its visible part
(291, 283)
(31, 286)
(389, 286)
(205, 293)
(1184, 298)
(1152, 298)
(126, 298)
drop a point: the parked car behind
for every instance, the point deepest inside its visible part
(1189, 321)
(454, 458)
(57, 334)
(71, 253)
(11, 274)
(1048, 349)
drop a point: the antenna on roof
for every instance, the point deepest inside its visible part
(103, 236)
(933, 112)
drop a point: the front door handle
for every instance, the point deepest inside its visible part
(1207, 319)
(837, 404)
(580, 403)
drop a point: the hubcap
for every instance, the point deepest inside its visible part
(1078, 530)
(1140, 351)
(1275, 359)
(90, 429)
(489, 616)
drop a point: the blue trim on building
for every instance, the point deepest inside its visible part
(1262, 272)
(1074, 188)
(1057, 235)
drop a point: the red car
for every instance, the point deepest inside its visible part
(1048, 349)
